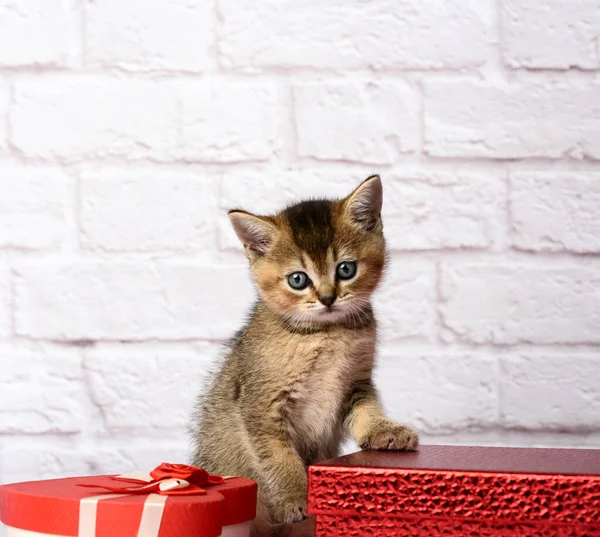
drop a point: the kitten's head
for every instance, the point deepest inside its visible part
(317, 261)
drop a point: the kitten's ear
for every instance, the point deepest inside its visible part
(363, 206)
(254, 232)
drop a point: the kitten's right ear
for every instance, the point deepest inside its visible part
(254, 232)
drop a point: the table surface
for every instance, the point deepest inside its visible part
(478, 459)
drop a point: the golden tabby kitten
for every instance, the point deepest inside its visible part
(298, 377)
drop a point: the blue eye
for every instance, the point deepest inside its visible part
(346, 270)
(298, 280)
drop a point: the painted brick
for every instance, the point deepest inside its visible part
(353, 34)
(440, 210)
(34, 206)
(264, 193)
(230, 122)
(39, 33)
(556, 211)
(508, 304)
(26, 461)
(32, 460)
(462, 388)
(120, 300)
(42, 389)
(5, 301)
(172, 36)
(550, 117)
(551, 391)
(147, 388)
(543, 34)
(83, 117)
(405, 302)
(355, 121)
(143, 454)
(120, 211)
(4, 101)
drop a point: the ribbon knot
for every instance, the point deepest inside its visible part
(166, 479)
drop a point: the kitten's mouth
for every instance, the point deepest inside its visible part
(332, 313)
(327, 315)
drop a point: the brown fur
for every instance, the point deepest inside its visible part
(297, 378)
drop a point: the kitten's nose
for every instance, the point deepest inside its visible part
(327, 300)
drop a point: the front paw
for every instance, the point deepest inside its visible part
(288, 510)
(390, 436)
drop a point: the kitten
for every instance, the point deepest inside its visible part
(298, 377)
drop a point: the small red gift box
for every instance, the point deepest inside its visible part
(171, 501)
(458, 491)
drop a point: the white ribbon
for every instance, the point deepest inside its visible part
(154, 507)
(88, 510)
(152, 514)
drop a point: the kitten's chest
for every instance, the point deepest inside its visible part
(323, 369)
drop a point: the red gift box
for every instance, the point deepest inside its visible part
(458, 491)
(134, 505)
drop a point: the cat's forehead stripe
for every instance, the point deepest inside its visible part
(312, 227)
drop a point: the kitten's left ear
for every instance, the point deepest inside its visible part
(363, 206)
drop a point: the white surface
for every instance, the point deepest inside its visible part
(126, 133)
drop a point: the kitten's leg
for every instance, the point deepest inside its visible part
(282, 477)
(365, 420)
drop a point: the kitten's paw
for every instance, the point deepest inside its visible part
(288, 511)
(390, 436)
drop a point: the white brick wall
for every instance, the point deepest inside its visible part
(558, 397)
(71, 299)
(175, 35)
(555, 211)
(43, 389)
(126, 133)
(507, 304)
(4, 102)
(543, 33)
(425, 380)
(178, 212)
(551, 117)
(353, 34)
(73, 117)
(130, 387)
(34, 207)
(39, 33)
(373, 121)
(5, 303)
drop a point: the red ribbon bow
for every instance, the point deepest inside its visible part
(166, 479)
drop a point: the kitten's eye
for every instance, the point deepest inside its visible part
(298, 280)
(346, 270)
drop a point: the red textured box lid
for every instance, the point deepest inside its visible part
(477, 483)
